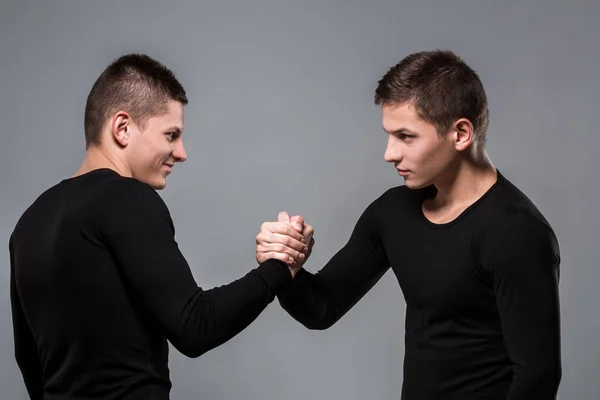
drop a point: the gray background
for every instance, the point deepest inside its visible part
(281, 117)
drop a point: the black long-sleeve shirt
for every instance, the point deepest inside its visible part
(482, 316)
(98, 286)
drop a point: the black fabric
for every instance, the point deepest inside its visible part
(98, 286)
(482, 317)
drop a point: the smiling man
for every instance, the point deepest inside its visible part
(477, 262)
(98, 283)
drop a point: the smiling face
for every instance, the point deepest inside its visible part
(415, 148)
(150, 153)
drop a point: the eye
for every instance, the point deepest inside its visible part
(172, 135)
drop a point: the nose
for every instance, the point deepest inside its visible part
(179, 152)
(392, 151)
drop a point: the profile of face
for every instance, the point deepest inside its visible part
(150, 153)
(419, 154)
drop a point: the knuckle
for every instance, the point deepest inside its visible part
(272, 238)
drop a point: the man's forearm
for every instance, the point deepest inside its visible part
(197, 320)
(310, 302)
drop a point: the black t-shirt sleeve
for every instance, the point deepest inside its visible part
(522, 259)
(319, 300)
(138, 230)
(26, 351)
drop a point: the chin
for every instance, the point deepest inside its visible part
(412, 184)
(157, 184)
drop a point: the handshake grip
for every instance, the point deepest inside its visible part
(289, 239)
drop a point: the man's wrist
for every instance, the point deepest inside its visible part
(294, 271)
(273, 271)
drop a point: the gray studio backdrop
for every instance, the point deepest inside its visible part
(281, 118)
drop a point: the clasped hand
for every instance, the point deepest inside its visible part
(288, 239)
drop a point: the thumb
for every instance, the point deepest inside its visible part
(308, 232)
(283, 217)
(297, 222)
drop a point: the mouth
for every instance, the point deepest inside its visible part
(169, 166)
(403, 172)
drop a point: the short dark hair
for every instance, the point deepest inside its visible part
(135, 83)
(441, 87)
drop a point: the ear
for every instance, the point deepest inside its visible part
(464, 134)
(121, 128)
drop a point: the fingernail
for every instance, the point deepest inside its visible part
(301, 256)
(298, 226)
(290, 260)
(302, 240)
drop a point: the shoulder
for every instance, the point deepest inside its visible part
(126, 201)
(396, 203)
(523, 223)
(382, 202)
(520, 237)
(516, 213)
(400, 196)
(133, 193)
(513, 226)
(384, 209)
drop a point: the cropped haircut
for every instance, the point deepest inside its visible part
(134, 83)
(441, 87)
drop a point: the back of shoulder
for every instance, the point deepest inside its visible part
(99, 195)
(127, 198)
(133, 192)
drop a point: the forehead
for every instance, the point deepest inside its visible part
(404, 116)
(173, 116)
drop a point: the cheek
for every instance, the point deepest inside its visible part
(430, 155)
(442, 156)
(161, 149)
(424, 153)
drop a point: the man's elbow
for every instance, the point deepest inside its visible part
(542, 381)
(314, 322)
(552, 375)
(192, 349)
(315, 319)
(317, 325)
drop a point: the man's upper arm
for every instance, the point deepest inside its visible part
(321, 299)
(26, 351)
(140, 235)
(523, 260)
(359, 265)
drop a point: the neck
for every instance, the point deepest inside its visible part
(467, 181)
(97, 157)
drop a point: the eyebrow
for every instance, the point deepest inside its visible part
(400, 131)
